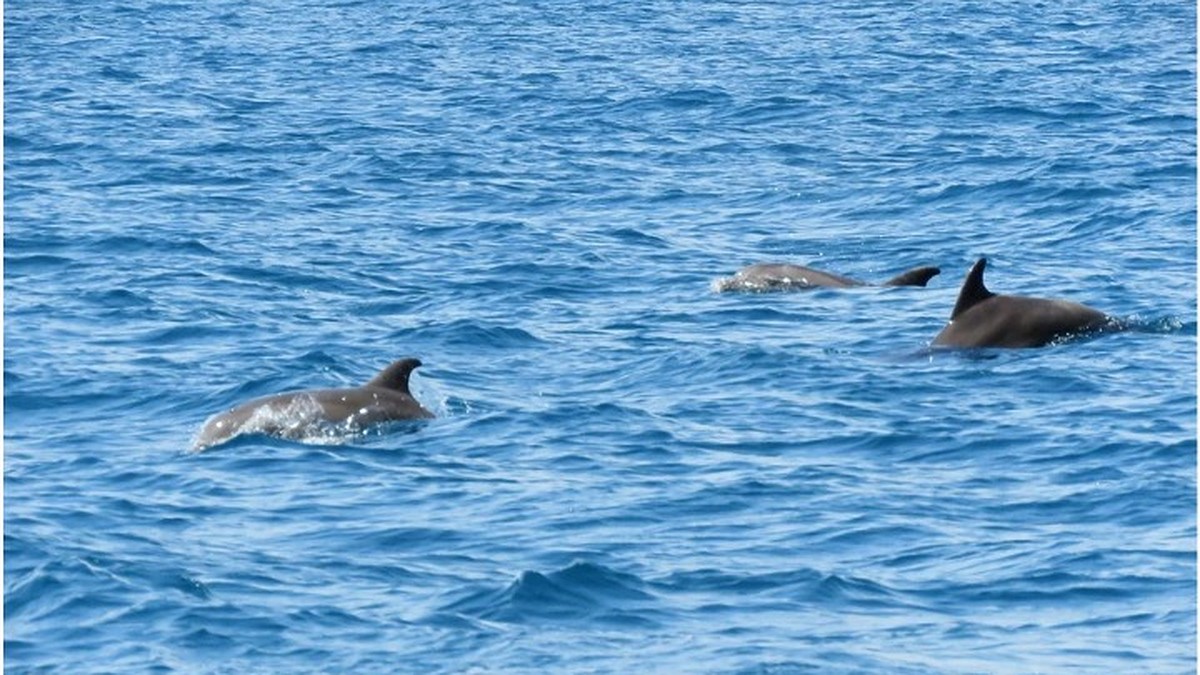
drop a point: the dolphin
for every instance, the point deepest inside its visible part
(305, 414)
(984, 319)
(786, 277)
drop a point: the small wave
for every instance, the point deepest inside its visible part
(683, 100)
(33, 594)
(476, 334)
(772, 109)
(1051, 589)
(1165, 325)
(1182, 123)
(186, 334)
(855, 591)
(119, 74)
(695, 98)
(289, 278)
(128, 244)
(581, 591)
(635, 237)
(119, 298)
(30, 264)
(713, 580)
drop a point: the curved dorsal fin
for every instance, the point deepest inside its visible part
(917, 276)
(395, 376)
(973, 291)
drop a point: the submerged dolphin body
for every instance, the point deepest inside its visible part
(786, 277)
(984, 319)
(305, 414)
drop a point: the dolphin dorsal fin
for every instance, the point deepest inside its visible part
(917, 276)
(973, 291)
(395, 376)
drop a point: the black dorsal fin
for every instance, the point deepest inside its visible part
(973, 291)
(917, 276)
(395, 376)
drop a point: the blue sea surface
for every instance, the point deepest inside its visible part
(628, 472)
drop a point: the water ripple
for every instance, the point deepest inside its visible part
(209, 202)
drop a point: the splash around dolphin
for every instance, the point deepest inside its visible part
(320, 414)
(984, 319)
(788, 277)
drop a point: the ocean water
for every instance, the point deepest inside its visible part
(628, 472)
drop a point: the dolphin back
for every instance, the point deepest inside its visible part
(320, 415)
(395, 377)
(782, 277)
(985, 319)
(973, 291)
(917, 276)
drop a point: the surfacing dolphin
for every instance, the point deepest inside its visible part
(317, 412)
(788, 277)
(984, 319)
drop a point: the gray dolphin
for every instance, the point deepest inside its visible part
(786, 277)
(305, 414)
(984, 319)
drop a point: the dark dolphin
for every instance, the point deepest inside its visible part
(303, 414)
(785, 277)
(984, 319)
